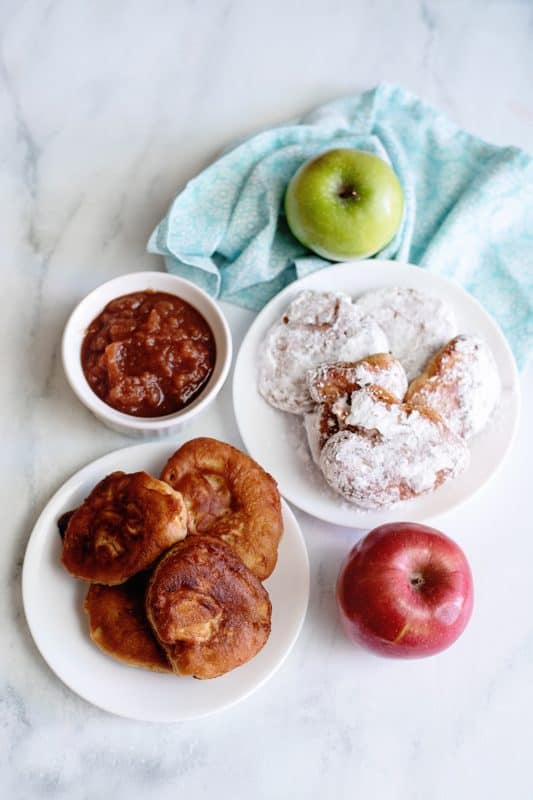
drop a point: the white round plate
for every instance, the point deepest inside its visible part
(277, 439)
(53, 605)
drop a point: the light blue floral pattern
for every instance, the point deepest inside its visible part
(468, 212)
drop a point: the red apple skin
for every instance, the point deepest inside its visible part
(405, 591)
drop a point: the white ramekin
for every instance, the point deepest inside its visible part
(94, 303)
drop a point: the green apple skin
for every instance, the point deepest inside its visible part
(344, 204)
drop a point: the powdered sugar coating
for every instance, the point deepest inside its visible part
(461, 382)
(331, 386)
(391, 452)
(317, 327)
(380, 369)
(417, 324)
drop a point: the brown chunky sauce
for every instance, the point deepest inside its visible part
(148, 354)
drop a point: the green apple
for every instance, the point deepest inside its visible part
(344, 204)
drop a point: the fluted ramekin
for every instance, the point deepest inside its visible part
(89, 308)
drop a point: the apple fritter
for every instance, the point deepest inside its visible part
(208, 610)
(118, 624)
(460, 382)
(389, 451)
(315, 328)
(122, 527)
(228, 495)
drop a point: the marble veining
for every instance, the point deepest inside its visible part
(106, 109)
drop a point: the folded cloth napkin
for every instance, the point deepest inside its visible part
(468, 207)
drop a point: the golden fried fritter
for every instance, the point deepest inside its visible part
(122, 527)
(118, 624)
(208, 611)
(228, 495)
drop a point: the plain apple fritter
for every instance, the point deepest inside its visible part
(118, 624)
(122, 527)
(228, 495)
(209, 612)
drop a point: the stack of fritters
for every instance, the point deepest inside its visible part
(176, 565)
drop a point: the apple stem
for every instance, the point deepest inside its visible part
(347, 192)
(417, 580)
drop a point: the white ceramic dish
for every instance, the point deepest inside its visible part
(53, 605)
(94, 303)
(277, 440)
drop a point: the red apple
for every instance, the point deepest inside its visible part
(405, 591)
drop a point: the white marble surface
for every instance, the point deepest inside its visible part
(107, 107)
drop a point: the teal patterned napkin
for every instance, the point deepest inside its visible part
(468, 211)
